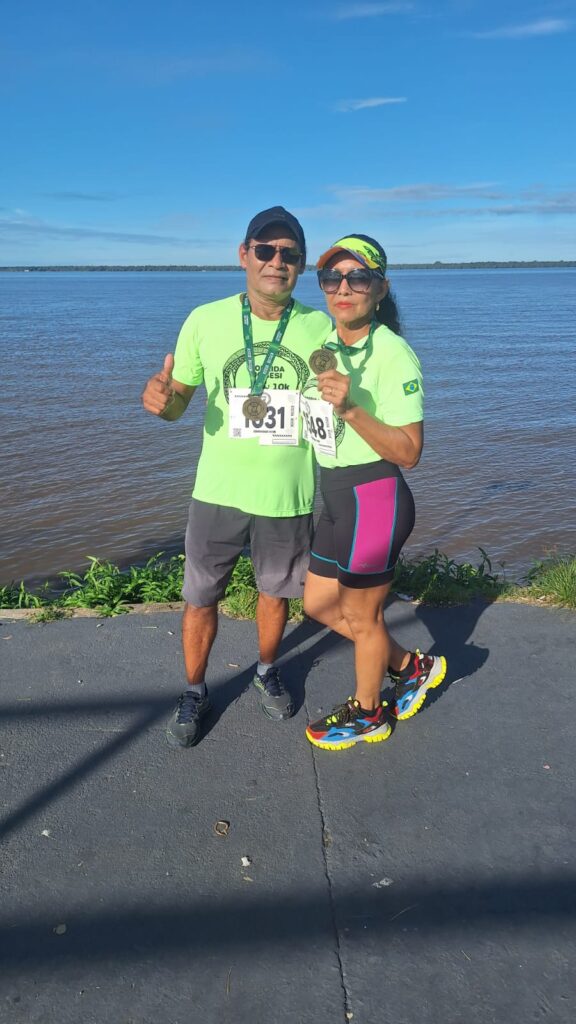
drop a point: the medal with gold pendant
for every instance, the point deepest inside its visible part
(254, 408)
(321, 360)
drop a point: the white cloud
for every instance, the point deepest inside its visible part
(345, 106)
(544, 27)
(91, 197)
(370, 10)
(146, 68)
(420, 192)
(424, 201)
(34, 228)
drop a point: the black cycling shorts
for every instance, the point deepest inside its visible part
(367, 517)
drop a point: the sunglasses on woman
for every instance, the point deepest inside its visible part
(357, 280)
(265, 253)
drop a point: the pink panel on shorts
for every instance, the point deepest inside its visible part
(375, 521)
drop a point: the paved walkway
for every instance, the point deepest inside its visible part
(427, 880)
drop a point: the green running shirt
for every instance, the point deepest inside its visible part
(386, 382)
(258, 479)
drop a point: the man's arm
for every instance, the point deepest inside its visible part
(165, 397)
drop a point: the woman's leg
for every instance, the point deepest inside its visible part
(358, 613)
(362, 611)
(322, 602)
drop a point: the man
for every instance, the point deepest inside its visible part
(255, 477)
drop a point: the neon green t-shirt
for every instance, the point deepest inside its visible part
(386, 380)
(241, 473)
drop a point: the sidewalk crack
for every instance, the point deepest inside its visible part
(326, 842)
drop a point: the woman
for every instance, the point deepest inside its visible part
(375, 390)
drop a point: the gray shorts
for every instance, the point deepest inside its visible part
(217, 535)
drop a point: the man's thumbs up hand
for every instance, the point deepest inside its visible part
(159, 393)
(168, 369)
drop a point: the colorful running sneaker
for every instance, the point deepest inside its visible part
(423, 673)
(347, 724)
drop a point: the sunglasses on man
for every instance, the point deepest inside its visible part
(357, 280)
(265, 252)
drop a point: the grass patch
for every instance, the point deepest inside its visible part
(434, 580)
(242, 595)
(104, 587)
(439, 580)
(51, 613)
(15, 595)
(554, 581)
(110, 589)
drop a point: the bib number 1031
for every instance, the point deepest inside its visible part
(276, 418)
(278, 427)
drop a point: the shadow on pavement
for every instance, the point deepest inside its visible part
(297, 669)
(152, 711)
(296, 919)
(450, 629)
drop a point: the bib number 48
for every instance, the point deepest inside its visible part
(315, 426)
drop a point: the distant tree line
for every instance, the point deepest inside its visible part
(438, 265)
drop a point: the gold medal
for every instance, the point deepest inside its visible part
(254, 408)
(321, 360)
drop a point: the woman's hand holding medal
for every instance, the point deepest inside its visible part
(334, 387)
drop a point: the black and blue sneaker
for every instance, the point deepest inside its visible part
(349, 724)
(423, 672)
(184, 726)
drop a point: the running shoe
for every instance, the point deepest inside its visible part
(423, 673)
(276, 702)
(184, 726)
(347, 724)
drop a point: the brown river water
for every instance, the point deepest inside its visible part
(84, 471)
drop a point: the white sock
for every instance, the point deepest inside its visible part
(262, 667)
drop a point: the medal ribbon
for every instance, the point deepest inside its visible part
(339, 346)
(258, 380)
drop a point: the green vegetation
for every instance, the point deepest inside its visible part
(439, 580)
(49, 614)
(15, 595)
(111, 589)
(241, 594)
(554, 580)
(105, 587)
(434, 580)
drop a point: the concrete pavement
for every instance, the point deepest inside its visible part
(430, 879)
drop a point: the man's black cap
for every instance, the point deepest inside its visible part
(277, 215)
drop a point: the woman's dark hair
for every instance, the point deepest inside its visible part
(387, 313)
(387, 310)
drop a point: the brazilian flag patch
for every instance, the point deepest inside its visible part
(411, 387)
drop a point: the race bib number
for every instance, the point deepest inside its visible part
(278, 427)
(318, 425)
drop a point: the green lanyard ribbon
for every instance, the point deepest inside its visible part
(258, 380)
(339, 346)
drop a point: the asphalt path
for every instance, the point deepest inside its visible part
(430, 879)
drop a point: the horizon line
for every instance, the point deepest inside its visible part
(149, 267)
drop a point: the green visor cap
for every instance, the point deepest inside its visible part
(359, 249)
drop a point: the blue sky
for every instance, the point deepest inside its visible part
(151, 133)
